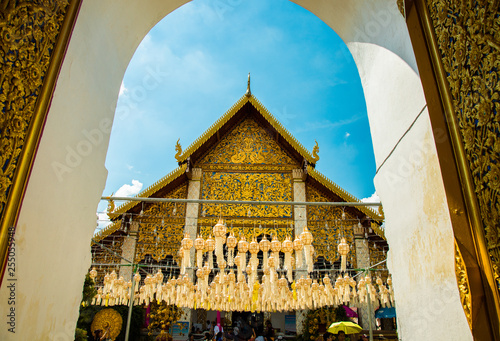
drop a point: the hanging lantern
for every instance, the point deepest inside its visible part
(137, 280)
(93, 274)
(187, 244)
(276, 248)
(242, 251)
(307, 238)
(391, 291)
(265, 246)
(253, 247)
(210, 247)
(287, 248)
(220, 238)
(231, 244)
(343, 249)
(199, 245)
(298, 245)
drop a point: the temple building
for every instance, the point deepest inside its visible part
(246, 155)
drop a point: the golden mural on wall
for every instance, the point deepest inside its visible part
(162, 227)
(327, 226)
(248, 230)
(246, 186)
(247, 143)
(468, 38)
(104, 256)
(28, 33)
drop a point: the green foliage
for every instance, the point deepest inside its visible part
(81, 335)
(89, 291)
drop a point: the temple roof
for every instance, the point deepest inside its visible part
(226, 121)
(245, 106)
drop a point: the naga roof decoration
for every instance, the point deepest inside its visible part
(341, 192)
(267, 116)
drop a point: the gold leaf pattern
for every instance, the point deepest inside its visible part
(463, 284)
(28, 33)
(326, 225)
(107, 320)
(468, 35)
(162, 227)
(247, 186)
(103, 256)
(248, 143)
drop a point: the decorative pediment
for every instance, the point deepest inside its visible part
(248, 143)
(246, 106)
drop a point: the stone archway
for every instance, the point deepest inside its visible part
(76, 134)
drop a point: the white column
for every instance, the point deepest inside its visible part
(128, 250)
(363, 262)
(300, 221)
(191, 224)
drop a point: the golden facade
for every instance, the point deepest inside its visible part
(244, 157)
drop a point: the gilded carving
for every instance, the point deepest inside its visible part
(162, 227)
(327, 226)
(109, 321)
(468, 38)
(401, 6)
(102, 255)
(246, 186)
(249, 232)
(247, 143)
(315, 152)
(28, 33)
(463, 284)
(178, 150)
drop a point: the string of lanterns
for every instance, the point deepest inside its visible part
(230, 291)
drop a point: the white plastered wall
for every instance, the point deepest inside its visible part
(57, 218)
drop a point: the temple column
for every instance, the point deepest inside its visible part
(363, 262)
(128, 250)
(300, 221)
(191, 225)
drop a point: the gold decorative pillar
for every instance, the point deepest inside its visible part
(363, 262)
(459, 67)
(34, 36)
(300, 221)
(128, 250)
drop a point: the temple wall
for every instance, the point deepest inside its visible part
(57, 218)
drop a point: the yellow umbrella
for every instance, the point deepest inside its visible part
(344, 326)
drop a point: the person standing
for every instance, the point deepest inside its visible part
(269, 333)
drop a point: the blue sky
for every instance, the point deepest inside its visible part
(192, 67)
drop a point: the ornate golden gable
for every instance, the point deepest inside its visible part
(247, 144)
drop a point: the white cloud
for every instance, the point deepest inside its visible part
(129, 190)
(374, 198)
(347, 135)
(123, 89)
(102, 221)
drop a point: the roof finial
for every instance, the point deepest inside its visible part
(248, 93)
